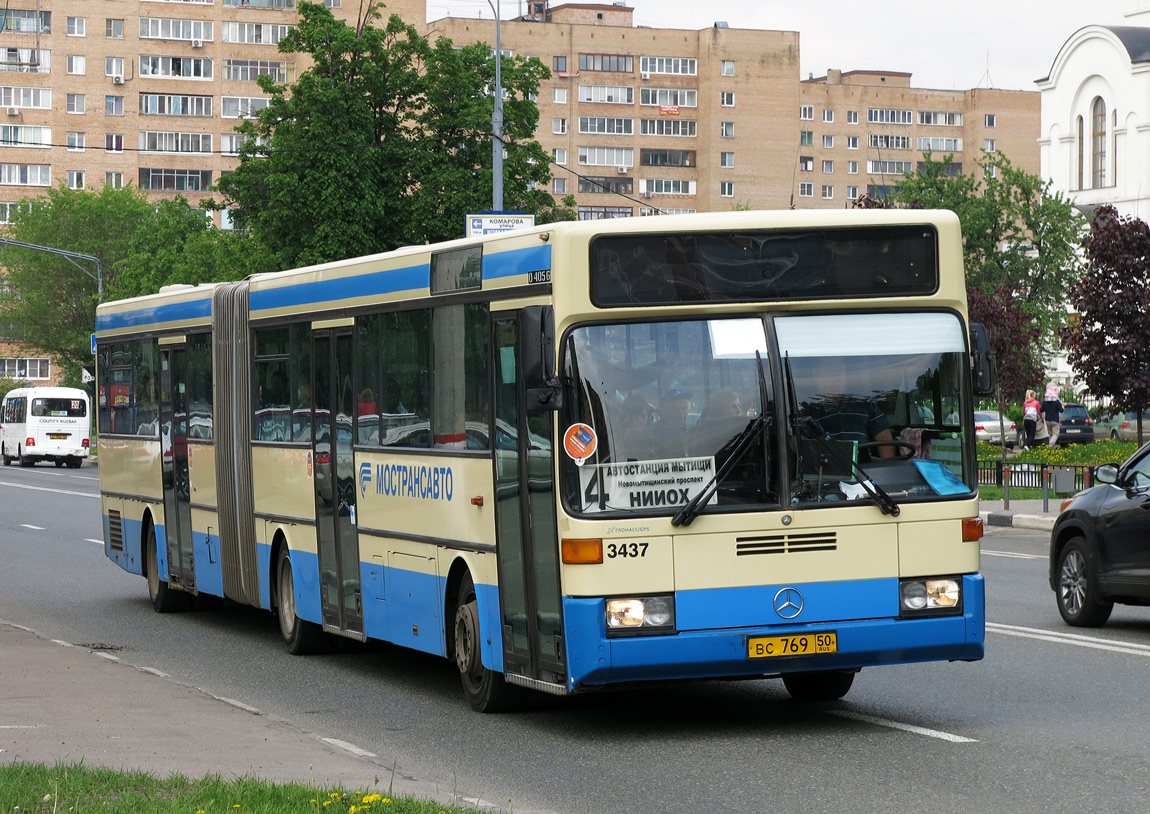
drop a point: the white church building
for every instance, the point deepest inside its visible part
(1095, 115)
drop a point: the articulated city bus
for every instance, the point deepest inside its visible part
(568, 457)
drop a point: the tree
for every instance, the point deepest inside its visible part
(1020, 239)
(383, 142)
(179, 245)
(1106, 343)
(50, 303)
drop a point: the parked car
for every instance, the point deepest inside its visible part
(1124, 426)
(1098, 551)
(987, 425)
(1077, 425)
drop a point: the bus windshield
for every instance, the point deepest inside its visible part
(668, 402)
(870, 398)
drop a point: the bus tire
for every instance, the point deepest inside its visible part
(74, 462)
(822, 685)
(59, 462)
(24, 459)
(165, 599)
(300, 637)
(486, 690)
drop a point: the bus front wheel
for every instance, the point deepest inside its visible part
(300, 637)
(165, 599)
(486, 690)
(823, 685)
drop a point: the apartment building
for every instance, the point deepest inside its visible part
(861, 131)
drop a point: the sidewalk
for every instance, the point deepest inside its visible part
(1024, 514)
(61, 703)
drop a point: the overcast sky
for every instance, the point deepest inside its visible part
(950, 46)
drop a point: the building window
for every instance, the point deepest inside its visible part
(558, 126)
(113, 66)
(852, 192)
(852, 117)
(1098, 143)
(682, 66)
(828, 142)
(26, 175)
(172, 179)
(991, 171)
(606, 125)
(726, 159)
(167, 28)
(806, 163)
(76, 26)
(611, 94)
(77, 64)
(991, 120)
(828, 192)
(559, 96)
(726, 189)
(884, 167)
(940, 144)
(613, 63)
(559, 64)
(75, 179)
(113, 143)
(807, 112)
(828, 167)
(728, 67)
(806, 190)
(661, 97)
(559, 155)
(940, 118)
(875, 115)
(559, 186)
(114, 29)
(24, 368)
(1081, 150)
(238, 107)
(852, 142)
(607, 156)
(113, 105)
(604, 212)
(883, 141)
(829, 116)
(75, 103)
(727, 129)
(75, 142)
(254, 33)
(666, 157)
(852, 168)
(727, 98)
(115, 180)
(806, 138)
(671, 126)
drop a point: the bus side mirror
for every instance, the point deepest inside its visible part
(536, 352)
(982, 358)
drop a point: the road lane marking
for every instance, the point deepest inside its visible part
(349, 747)
(1129, 648)
(93, 540)
(917, 730)
(1014, 555)
(47, 489)
(30, 526)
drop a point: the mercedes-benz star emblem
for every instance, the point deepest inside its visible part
(788, 603)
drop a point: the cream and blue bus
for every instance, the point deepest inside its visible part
(712, 446)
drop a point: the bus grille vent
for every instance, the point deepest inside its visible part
(115, 531)
(785, 543)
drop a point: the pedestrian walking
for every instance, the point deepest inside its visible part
(1030, 410)
(1051, 410)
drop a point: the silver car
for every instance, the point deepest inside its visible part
(992, 427)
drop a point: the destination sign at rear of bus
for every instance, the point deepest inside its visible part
(808, 644)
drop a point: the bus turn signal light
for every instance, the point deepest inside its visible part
(582, 552)
(971, 529)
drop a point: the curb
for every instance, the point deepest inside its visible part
(1019, 521)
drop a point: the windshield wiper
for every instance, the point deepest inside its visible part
(799, 422)
(738, 445)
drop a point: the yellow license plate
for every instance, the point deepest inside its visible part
(804, 644)
(57, 436)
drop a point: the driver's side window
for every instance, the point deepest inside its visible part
(1139, 474)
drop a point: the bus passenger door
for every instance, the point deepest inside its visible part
(341, 593)
(174, 457)
(526, 540)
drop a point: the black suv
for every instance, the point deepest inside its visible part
(1077, 426)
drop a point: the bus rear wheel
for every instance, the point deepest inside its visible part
(301, 638)
(486, 690)
(24, 459)
(165, 599)
(823, 685)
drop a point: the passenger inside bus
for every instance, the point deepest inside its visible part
(843, 415)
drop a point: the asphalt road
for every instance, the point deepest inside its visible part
(1053, 720)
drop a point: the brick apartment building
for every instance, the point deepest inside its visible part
(639, 121)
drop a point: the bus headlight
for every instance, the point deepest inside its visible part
(640, 615)
(930, 596)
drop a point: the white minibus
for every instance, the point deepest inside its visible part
(45, 424)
